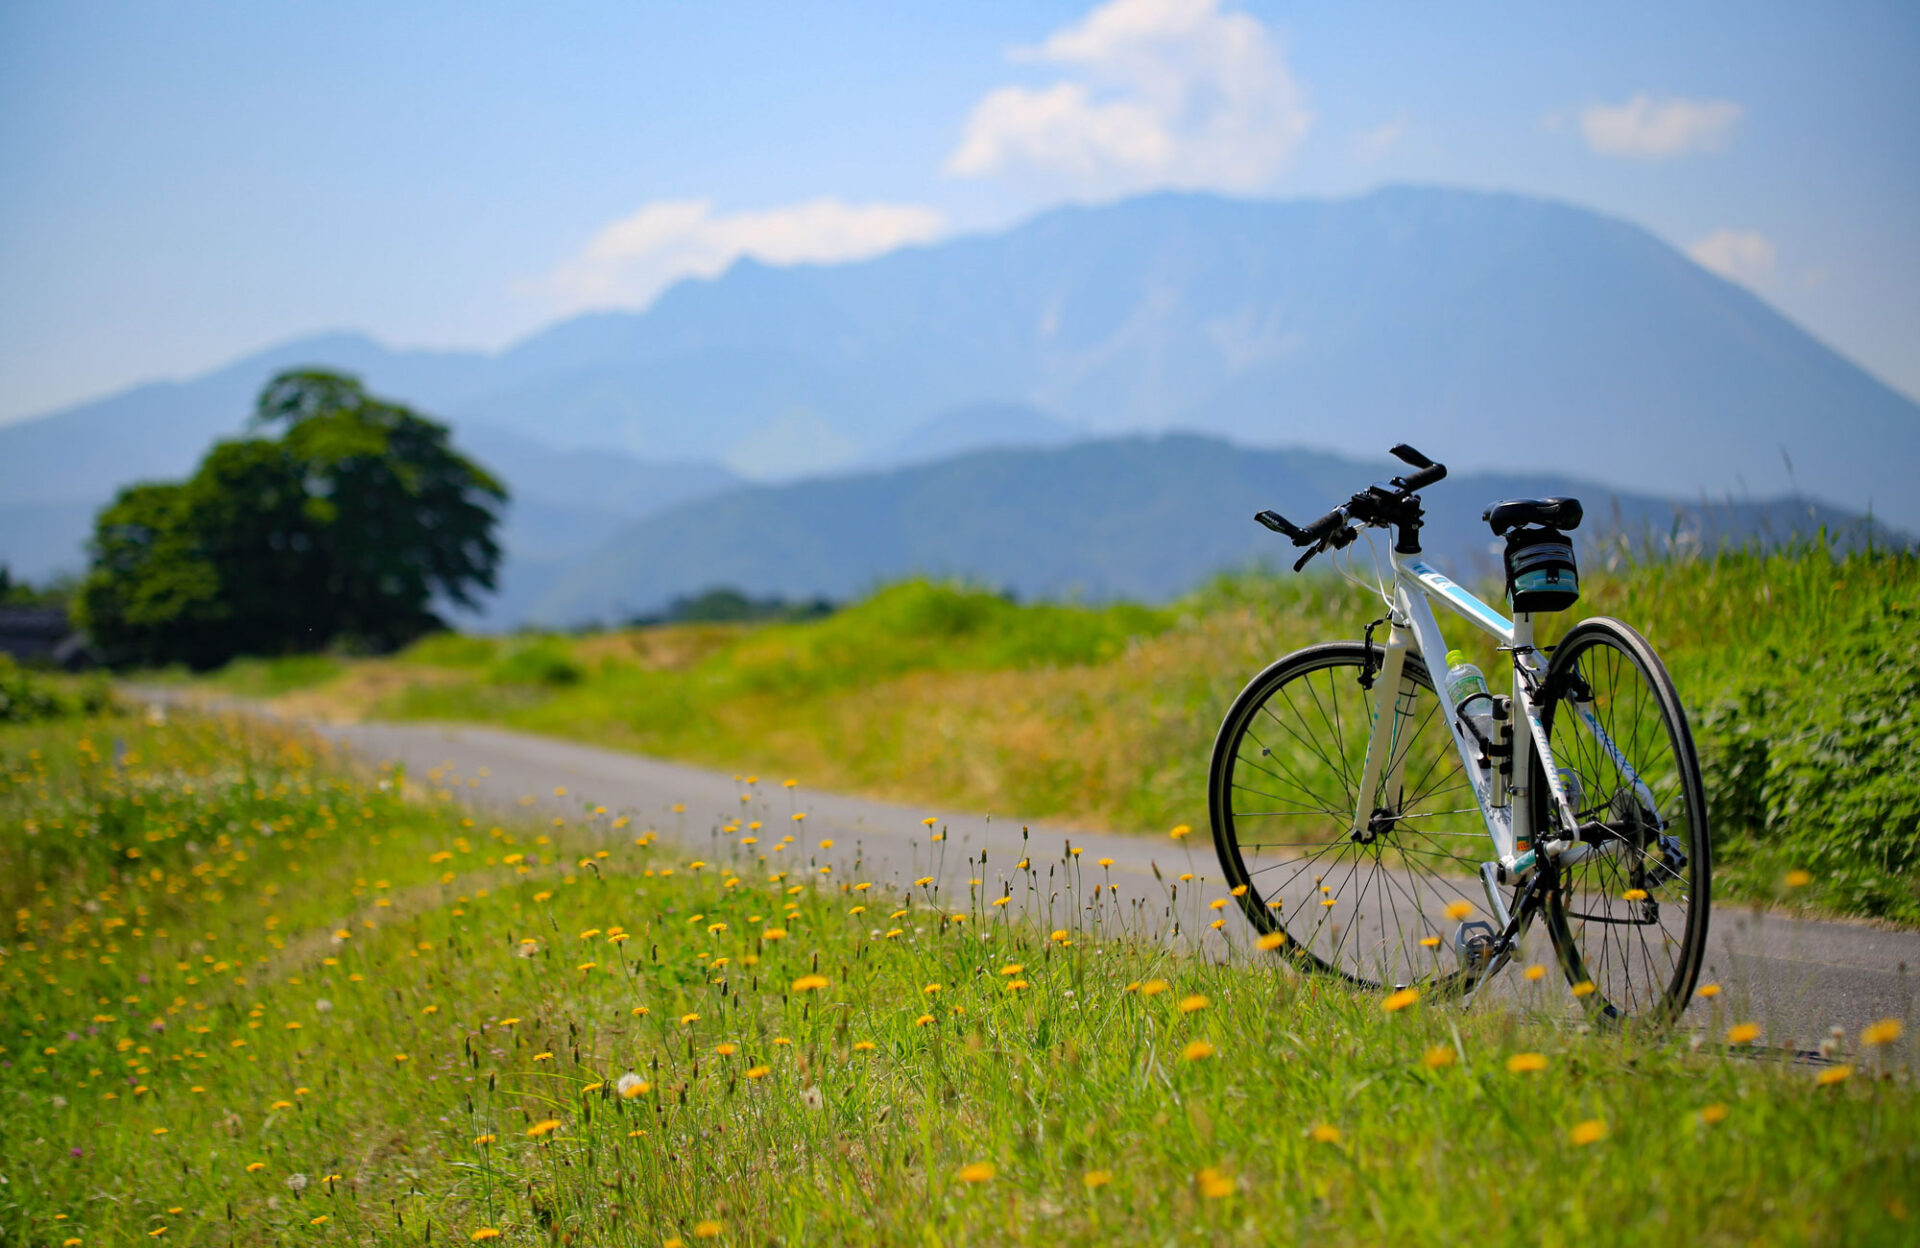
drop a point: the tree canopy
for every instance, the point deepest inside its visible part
(342, 519)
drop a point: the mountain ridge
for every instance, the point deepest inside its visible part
(1505, 332)
(1141, 517)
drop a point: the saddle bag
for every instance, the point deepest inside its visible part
(1541, 572)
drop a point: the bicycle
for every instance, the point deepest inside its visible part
(1352, 834)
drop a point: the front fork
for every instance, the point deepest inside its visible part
(1382, 777)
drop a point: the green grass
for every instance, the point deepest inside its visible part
(252, 997)
(1800, 671)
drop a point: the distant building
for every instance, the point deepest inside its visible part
(43, 636)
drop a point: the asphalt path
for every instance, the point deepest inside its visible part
(1798, 978)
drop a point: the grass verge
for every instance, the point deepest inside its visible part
(253, 997)
(1800, 671)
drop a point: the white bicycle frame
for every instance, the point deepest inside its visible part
(1505, 806)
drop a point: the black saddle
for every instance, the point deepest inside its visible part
(1555, 513)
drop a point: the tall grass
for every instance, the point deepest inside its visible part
(255, 998)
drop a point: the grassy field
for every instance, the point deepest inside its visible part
(253, 997)
(1801, 673)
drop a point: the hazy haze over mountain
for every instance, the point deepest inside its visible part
(1443, 317)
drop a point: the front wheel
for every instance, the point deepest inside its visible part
(1629, 915)
(1380, 908)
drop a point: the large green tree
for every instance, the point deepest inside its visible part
(344, 518)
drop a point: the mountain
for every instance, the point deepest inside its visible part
(1499, 332)
(1135, 517)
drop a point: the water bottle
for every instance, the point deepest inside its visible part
(1467, 690)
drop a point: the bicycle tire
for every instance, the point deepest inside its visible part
(1602, 913)
(1424, 862)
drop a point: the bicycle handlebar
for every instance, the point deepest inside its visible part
(1394, 503)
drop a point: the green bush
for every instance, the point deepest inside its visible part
(25, 697)
(538, 663)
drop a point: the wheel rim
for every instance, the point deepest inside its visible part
(1285, 784)
(1623, 919)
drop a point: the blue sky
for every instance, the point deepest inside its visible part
(185, 183)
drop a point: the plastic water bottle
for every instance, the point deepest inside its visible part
(1467, 690)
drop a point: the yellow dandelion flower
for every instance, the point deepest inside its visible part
(1180, 832)
(774, 933)
(159, 1130)
(1017, 985)
(546, 1126)
(1212, 1184)
(1324, 1133)
(401, 1057)
(863, 1046)
(1743, 1033)
(1591, 1131)
(930, 989)
(1437, 1057)
(893, 932)
(708, 1229)
(319, 1221)
(1632, 894)
(484, 1140)
(726, 1050)
(930, 820)
(280, 1105)
(1194, 1003)
(759, 1072)
(1583, 989)
(923, 1020)
(1707, 990)
(1832, 1075)
(1154, 987)
(1196, 1050)
(1271, 941)
(1059, 936)
(640, 1010)
(978, 1172)
(156, 1232)
(923, 881)
(1218, 903)
(543, 1057)
(255, 1167)
(1096, 1178)
(485, 1232)
(1001, 901)
(1714, 1113)
(1527, 1063)
(687, 1019)
(799, 816)
(1329, 902)
(810, 983)
(1534, 973)
(1400, 1000)
(1886, 1031)
(1459, 910)
(1105, 862)
(1799, 879)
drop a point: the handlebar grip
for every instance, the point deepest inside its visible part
(1423, 478)
(1323, 526)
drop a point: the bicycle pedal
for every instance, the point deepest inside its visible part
(1474, 944)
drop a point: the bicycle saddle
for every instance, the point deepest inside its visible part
(1557, 513)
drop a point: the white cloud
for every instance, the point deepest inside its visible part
(1745, 256)
(1655, 127)
(630, 262)
(1157, 93)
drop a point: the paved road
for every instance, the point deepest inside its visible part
(1796, 977)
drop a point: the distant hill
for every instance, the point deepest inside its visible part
(1500, 332)
(1140, 517)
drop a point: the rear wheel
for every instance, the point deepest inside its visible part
(1282, 793)
(1631, 916)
